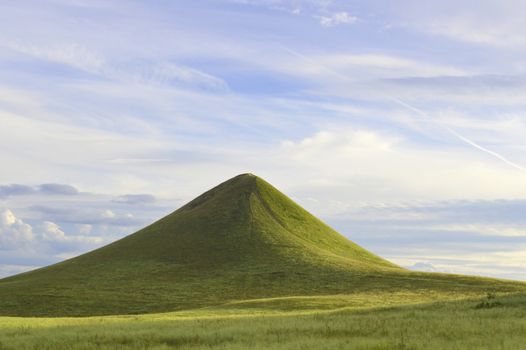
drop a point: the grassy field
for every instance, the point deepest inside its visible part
(405, 321)
(244, 267)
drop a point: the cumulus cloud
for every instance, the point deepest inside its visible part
(52, 232)
(13, 231)
(337, 18)
(18, 236)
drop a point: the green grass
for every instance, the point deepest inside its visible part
(329, 322)
(241, 240)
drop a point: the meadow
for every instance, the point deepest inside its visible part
(404, 321)
(244, 267)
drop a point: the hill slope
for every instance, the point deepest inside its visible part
(241, 240)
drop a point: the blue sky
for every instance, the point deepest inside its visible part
(401, 123)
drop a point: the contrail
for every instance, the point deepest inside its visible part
(490, 152)
(457, 135)
(414, 109)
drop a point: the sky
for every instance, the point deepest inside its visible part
(401, 124)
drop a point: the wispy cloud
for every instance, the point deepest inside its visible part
(141, 72)
(72, 55)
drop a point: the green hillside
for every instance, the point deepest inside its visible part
(241, 240)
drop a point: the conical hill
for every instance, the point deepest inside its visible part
(241, 240)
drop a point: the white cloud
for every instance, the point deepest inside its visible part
(337, 18)
(350, 143)
(7, 218)
(13, 231)
(108, 214)
(20, 239)
(395, 168)
(52, 232)
(84, 229)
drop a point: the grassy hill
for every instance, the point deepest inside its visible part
(241, 240)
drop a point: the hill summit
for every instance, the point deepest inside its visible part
(240, 240)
